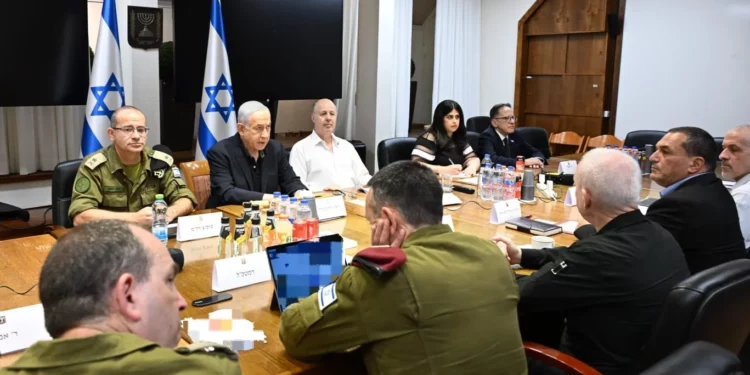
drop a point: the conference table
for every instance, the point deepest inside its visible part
(23, 259)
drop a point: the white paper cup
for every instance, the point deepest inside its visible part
(542, 242)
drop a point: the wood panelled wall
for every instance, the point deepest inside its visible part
(567, 61)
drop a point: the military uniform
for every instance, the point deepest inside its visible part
(101, 183)
(450, 308)
(122, 353)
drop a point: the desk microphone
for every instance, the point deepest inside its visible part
(462, 189)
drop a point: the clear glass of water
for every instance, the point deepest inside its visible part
(446, 181)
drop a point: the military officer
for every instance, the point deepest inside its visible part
(111, 306)
(416, 305)
(122, 180)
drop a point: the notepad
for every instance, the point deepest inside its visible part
(451, 199)
(469, 181)
(526, 225)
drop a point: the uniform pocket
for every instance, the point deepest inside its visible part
(115, 201)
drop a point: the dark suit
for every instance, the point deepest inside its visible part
(232, 177)
(609, 288)
(490, 143)
(702, 217)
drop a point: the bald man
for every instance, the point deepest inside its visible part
(324, 161)
(735, 165)
(250, 165)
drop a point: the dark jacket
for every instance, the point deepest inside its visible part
(232, 177)
(702, 217)
(490, 143)
(610, 288)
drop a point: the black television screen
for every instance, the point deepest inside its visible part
(278, 49)
(45, 58)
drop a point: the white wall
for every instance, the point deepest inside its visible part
(499, 37)
(367, 66)
(685, 62)
(294, 116)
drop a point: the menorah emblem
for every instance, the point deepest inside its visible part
(145, 19)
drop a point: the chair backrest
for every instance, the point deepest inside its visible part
(198, 179)
(719, 145)
(536, 137)
(602, 141)
(478, 124)
(395, 149)
(568, 138)
(63, 177)
(473, 139)
(641, 138)
(698, 358)
(713, 306)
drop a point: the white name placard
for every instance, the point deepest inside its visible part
(20, 328)
(236, 272)
(193, 227)
(567, 167)
(570, 197)
(330, 208)
(503, 211)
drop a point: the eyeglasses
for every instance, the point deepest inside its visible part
(142, 130)
(506, 118)
(259, 129)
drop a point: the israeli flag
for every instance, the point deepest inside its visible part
(217, 119)
(106, 92)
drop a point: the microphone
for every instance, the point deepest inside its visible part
(527, 188)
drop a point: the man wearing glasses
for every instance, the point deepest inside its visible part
(250, 165)
(121, 181)
(502, 143)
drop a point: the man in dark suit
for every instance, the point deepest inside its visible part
(249, 165)
(695, 206)
(502, 143)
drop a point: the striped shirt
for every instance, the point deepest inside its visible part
(426, 151)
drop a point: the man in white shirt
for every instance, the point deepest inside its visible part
(324, 161)
(735, 165)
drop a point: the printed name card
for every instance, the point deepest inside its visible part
(20, 328)
(193, 227)
(236, 272)
(567, 167)
(503, 211)
(570, 198)
(330, 208)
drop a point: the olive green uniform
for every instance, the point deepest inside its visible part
(122, 353)
(102, 183)
(450, 309)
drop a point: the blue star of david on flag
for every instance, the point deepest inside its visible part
(213, 103)
(100, 94)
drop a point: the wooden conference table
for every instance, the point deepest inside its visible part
(23, 259)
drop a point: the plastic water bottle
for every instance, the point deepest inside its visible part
(276, 200)
(609, 147)
(303, 211)
(293, 209)
(484, 178)
(497, 183)
(159, 225)
(284, 205)
(509, 184)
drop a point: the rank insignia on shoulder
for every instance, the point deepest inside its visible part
(559, 267)
(379, 261)
(95, 160)
(207, 348)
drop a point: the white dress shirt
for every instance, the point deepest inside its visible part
(318, 167)
(741, 194)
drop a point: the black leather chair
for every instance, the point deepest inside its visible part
(719, 145)
(698, 358)
(536, 137)
(473, 138)
(641, 138)
(712, 306)
(478, 124)
(394, 149)
(62, 189)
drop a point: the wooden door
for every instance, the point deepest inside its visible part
(568, 65)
